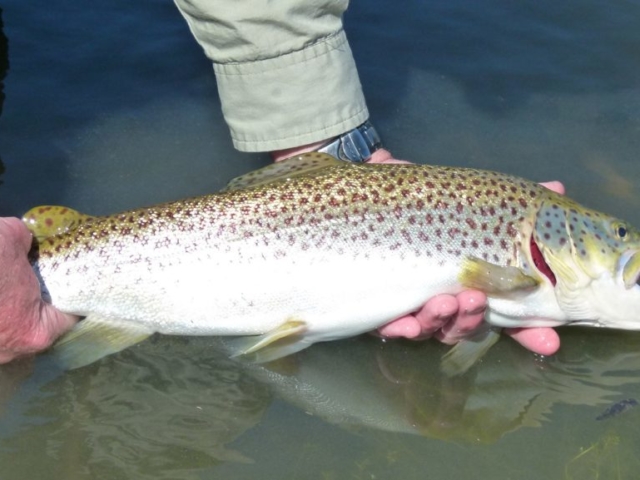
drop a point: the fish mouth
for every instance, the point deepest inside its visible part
(540, 263)
(630, 269)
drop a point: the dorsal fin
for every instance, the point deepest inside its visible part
(306, 164)
(49, 220)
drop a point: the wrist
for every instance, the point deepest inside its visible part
(357, 145)
(279, 155)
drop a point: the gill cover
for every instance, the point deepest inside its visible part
(579, 241)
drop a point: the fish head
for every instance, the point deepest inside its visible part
(593, 261)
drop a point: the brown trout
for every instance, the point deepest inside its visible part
(314, 249)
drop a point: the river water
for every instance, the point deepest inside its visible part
(114, 106)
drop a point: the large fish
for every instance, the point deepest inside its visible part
(314, 249)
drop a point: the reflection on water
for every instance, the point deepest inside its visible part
(140, 416)
(540, 89)
(173, 407)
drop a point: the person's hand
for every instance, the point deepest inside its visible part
(451, 318)
(27, 323)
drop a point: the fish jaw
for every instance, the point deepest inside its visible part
(617, 301)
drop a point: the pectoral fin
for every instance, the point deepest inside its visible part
(279, 342)
(463, 355)
(306, 164)
(494, 280)
(96, 337)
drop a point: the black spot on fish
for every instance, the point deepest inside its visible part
(617, 408)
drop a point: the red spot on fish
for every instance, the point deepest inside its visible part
(423, 237)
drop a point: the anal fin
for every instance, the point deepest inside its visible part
(277, 343)
(95, 337)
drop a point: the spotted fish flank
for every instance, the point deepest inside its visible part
(342, 249)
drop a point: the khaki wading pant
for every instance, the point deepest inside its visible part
(285, 72)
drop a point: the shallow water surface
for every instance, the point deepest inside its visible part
(114, 106)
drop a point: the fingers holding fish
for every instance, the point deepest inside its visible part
(449, 318)
(554, 186)
(472, 305)
(14, 236)
(423, 323)
(384, 156)
(543, 341)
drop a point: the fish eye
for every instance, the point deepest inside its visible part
(621, 231)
